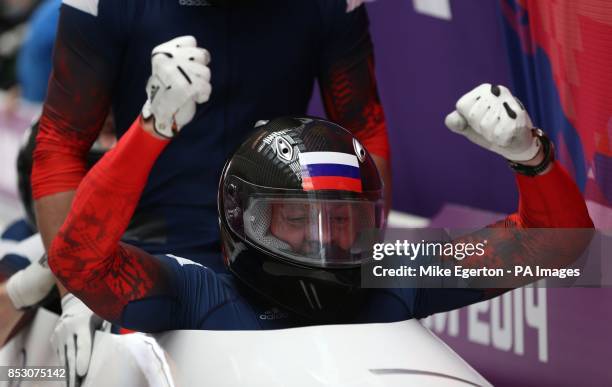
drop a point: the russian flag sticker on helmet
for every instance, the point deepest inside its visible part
(330, 171)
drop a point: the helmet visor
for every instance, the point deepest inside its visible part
(316, 232)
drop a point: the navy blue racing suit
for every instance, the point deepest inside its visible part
(266, 56)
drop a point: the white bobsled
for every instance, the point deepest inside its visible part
(393, 354)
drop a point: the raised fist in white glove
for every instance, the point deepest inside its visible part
(493, 118)
(180, 78)
(73, 337)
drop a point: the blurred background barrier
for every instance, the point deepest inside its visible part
(13, 125)
(24, 67)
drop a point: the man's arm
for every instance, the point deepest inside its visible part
(550, 200)
(78, 100)
(10, 315)
(492, 118)
(87, 255)
(51, 211)
(348, 84)
(14, 260)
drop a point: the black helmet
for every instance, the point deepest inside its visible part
(25, 159)
(300, 206)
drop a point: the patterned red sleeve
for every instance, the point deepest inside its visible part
(551, 201)
(87, 255)
(77, 103)
(351, 99)
(348, 81)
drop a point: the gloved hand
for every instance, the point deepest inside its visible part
(180, 78)
(493, 118)
(31, 285)
(73, 337)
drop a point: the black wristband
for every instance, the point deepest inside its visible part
(549, 157)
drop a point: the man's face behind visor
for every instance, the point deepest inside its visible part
(305, 226)
(322, 232)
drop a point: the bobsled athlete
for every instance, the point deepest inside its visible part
(101, 61)
(295, 202)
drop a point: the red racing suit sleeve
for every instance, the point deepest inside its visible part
(347, 79)
(85, 63)
(87, 255)
(550, 201)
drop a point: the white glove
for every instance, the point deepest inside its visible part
(180, 78)
(73, 337)
(31, 285)
(493, 118)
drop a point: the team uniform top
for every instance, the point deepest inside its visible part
(265, 59)
(134, 289)
(197, 297)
